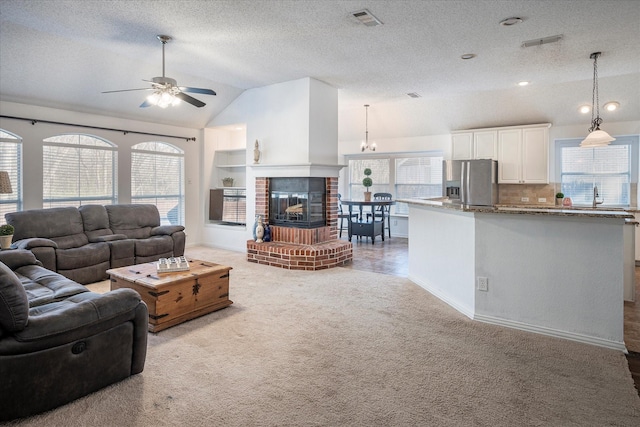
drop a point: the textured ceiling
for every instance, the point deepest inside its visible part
(64, 53)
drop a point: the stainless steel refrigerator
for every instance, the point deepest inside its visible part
(471, 182)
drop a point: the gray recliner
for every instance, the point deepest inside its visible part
(58, 340)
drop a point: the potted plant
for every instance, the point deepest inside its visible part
(367, 182)
(6, 236)
(559, 198)
(227, 182)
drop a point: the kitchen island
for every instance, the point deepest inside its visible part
(552, 271)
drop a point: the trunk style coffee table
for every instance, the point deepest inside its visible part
(179, 296)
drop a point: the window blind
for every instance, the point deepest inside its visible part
(609, 168)
(11, 162)
(157, 177)
(78, 169)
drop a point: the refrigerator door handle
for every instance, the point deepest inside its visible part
(464, 188)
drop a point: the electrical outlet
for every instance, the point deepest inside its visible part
(395, 222)
(542, 200)
(483, 284)
(524, 199)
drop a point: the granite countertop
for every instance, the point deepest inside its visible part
(445, 203)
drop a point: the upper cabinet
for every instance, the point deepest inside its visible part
(462, 146)
(522, 152)
(523, 155)
(485, 144)
(480, 144)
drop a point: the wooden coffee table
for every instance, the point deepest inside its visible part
(176, 297)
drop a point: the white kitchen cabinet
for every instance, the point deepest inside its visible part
(485, 144)
(523, 155)
(462, 146)
(481, 144)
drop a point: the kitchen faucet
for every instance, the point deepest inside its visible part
(595, 197)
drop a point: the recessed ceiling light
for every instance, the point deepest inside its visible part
(523, 83)
(612, 106)
(468, 56)
(584, 109)
(510, 21)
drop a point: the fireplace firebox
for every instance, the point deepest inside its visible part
(297, 202)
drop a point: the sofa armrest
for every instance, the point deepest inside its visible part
(17, 258)
(167, 230)
(61, 318)
(34, 242)
(108, 238)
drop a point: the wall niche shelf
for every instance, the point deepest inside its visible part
(230, 163)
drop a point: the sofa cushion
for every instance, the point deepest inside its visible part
(89, 254)
(43, 286)
(94, 217)
(134, 221)
(14, 306)
(47, 223)
(157, 245)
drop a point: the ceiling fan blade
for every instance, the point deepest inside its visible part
(197, 90)
(127, 90)
(190, 99)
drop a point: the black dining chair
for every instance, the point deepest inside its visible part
(383, 212)
(344, 215)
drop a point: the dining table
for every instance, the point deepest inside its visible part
(363, 226)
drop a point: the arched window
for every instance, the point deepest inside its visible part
(157, 177)
(11, 162)
(79, 170)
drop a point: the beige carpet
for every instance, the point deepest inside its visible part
(351, 348)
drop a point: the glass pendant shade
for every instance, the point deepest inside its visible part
(597, 138)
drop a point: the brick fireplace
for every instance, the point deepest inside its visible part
(295, 248)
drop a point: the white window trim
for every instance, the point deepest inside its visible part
(632, 140)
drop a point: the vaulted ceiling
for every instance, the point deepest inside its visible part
(63, 54)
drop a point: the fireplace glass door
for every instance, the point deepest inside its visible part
(297, 202)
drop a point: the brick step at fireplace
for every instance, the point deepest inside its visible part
(303, 242)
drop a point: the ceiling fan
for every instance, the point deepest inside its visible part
(166, 90)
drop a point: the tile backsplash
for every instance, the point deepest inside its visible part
(512, 194)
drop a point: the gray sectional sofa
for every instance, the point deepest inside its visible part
(83, 243)
(58, 340)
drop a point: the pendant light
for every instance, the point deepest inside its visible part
(596, 137)
(365, 144)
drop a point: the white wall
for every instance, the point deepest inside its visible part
(33, 135)
(553, 275)
(295, 123)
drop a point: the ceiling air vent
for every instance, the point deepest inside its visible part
(413, 95)
(366, 18)
(540, 42)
